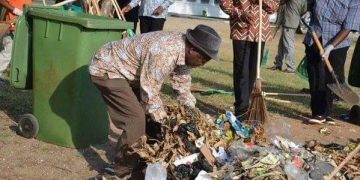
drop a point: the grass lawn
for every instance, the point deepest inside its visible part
(214, 75)
(218, 75)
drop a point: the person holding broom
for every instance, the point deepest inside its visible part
(129, 74)
(244, 23)
(332, 20)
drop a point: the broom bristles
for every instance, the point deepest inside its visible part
(257, 113)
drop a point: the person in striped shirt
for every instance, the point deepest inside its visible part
(244, 26)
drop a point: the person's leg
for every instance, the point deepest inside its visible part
(135, 26)
(157, 24)
(316, 72)
(253, 63)
(337, 59)
(145, 24)
(125, 113)
(241, 72)
(5, 53)
(289, 48)
(280, 54)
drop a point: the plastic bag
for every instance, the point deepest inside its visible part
(155, 171)
(295, 173)
(301, 70)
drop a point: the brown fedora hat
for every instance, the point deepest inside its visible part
(206, 39)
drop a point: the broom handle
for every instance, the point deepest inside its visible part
(96, 5)
(259, 42)
(63, 3)
(285, 94)
(116, 9)
(348, 158)
(120, 11)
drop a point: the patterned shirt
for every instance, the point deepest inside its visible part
(145, 61)
(241, 30)
(330, 17)
(148, 7)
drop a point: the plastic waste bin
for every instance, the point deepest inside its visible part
(67, 109)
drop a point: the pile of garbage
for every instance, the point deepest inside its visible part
(336, 153)
(196, 146)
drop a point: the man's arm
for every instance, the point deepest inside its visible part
(159, 10)
(10, 8)
(181, 84)
(271, 6)
(352, 23)
(131, 5)
(167, 3)
(236, 12)
(228, 7)
(157, 65)
(7, 5)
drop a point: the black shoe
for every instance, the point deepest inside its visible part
(275, 68)
(330, 120)
(305, 90)
(318, 119)
(3, 82)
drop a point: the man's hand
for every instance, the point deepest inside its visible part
(159, 10)
(126, 9)
(17, 12)
(327, 51)
(247, 17)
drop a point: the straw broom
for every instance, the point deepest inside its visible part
(257, 113)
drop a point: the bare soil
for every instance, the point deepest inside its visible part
(22, 158)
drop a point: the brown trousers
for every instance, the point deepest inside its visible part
(124, 109)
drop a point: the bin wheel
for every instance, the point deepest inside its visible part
(28, 126)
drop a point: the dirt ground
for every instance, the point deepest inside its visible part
(22, 158)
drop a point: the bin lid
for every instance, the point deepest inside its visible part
(85, 20)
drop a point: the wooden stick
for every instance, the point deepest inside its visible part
(121, 13)
(63, 3)
(278, 100)
(96, 5)
(116, 9)
(285, 94)
(348, 158)
(259, 41)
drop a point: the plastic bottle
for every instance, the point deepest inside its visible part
(188, 159)
(295, 173)
(155, 171)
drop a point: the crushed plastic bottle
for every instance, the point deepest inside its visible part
(155, 171)
(295, 173)
(186, 160)
(242, 151)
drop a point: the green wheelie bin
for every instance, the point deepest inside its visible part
(67, 108)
